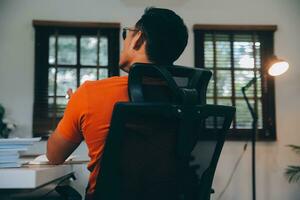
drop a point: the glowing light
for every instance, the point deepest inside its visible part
(278, 68)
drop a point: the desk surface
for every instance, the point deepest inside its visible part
(32, 176)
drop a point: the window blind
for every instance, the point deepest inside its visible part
(235, 57)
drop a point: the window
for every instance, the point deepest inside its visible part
(66, 55)
(236, 54)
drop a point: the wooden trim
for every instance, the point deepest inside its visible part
(268, 89)
(214, 69)
(199, 49)
(78, 66)
(223, 27)
(245, 134)
(237, 69)
(232, 69)
(69, 24)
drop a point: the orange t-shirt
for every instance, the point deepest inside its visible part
(88, 116)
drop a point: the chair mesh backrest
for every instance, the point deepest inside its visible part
(208, 148)
(145, 157)
(148, 156)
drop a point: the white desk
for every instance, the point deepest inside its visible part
(32, 176)
(43, 178)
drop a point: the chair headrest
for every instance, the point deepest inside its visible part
(141, 76)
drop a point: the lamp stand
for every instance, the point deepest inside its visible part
(253, 135)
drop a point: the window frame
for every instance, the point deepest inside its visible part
(42, 122)
(266, 35)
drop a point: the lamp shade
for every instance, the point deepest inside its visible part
(278, 67)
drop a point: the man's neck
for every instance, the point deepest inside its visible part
(139, 59)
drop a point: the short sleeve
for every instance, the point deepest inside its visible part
(70, 126)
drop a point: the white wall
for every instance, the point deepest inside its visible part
(17, 72)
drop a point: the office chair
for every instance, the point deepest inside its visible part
(167, 149)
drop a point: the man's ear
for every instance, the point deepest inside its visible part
(138, 40)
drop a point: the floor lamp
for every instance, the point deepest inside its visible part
(276, 68)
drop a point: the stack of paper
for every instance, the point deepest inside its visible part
(43, 160)
(10, 150)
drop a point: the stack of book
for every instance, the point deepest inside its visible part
(11, 148)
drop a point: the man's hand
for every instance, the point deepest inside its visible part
(69, 93)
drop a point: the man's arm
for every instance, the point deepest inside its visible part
(59, 149)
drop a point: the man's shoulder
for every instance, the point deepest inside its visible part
(107, 81)
(106, 84)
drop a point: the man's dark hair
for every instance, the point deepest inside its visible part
(165, 33)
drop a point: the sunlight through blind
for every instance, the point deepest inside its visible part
(234, 60)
